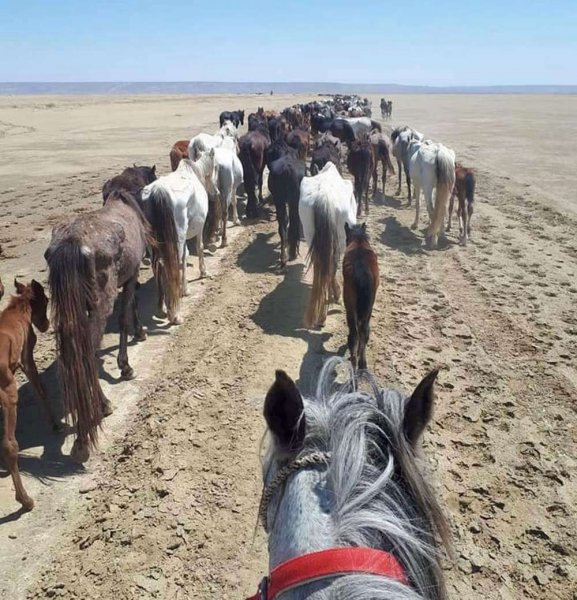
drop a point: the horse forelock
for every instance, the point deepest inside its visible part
(379, 497)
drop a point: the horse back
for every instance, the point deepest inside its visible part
(360, 280)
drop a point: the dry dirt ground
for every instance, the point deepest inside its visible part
(168, 508)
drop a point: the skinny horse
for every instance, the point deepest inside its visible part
(89, 258)
(401, 138)
(382, 154)
(346, 507)
(360, 283)
(17, 341)
(326, 203)
(464, 189)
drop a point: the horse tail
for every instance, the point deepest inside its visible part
(167, 261)
(323, 256)
(387, 153)
(314, 168)
(72, 282)
(175, 157)
(445, 170)
(470, 187)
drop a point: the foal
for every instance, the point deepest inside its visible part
(465, 191)
(360, 283)
(17, 341)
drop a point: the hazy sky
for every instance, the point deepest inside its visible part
(428, 42)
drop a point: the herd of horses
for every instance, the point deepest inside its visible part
(347, 443)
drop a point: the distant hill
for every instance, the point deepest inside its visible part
(207, 87)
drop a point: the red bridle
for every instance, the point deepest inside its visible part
(328, 563)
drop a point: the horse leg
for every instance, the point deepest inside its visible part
(29, 367)
(160, 312)
(281, 215)
(429, 202)
(235, 219)
(408, 178)
(200, 252)
(417, 196)
(384, 174)
(352, 340)
(364, 332)
(451, 201)
(260, 178)
(469, 215)
(139, 332)
(375, 176)
(126, 301)
(367, 181)
(9, 401)
(400, 171)
(224, 208)
(359, 195)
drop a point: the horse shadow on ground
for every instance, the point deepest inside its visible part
(381, 199)
(281, 311)
(395, 235)
(33, 427)
(34, 430)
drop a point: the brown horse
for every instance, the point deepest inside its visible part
(17, 341)
(464, 189)
(360, 283)
(89, 258)
(178, 151)
(253, 146)
(382, 154)
(299, 139)
(361, 164)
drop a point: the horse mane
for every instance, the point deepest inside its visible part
(127, 198)
(381, 499)
(21, 302)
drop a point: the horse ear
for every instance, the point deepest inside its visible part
(347, 230)
(20, 287)
(154, 169)
(419, 408)
(283, 412)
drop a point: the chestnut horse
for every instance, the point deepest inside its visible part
(465, 191)
(178, 151)
(360, 283)
(17, 341)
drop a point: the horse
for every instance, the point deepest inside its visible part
(178, 151)
(89, 258)
(17, 341)
(284, 180)
(432, 167)
(361, 164)
(259, 122)
(401, 138)
(326, 203)
(363, 125)
(382, 154)
(347, 509)
(220, 170)
(277, 149)
(386, 108)
(299, 139)
(464, 189)
(185, 197)
(203, 142)
(235, 116)
(360, 283)
(325, 152)
(274, 128)
(252, 152)
(131, 180)
(163, 253)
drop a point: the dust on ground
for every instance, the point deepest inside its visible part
(168, 508)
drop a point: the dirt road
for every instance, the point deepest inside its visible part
(168, 510)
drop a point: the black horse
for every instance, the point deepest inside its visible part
(284, 180)
(236, 116)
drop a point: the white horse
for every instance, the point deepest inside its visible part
(189, 202)
(401, 138)
(229, 130)
(203, 142)
(326, 203)
(220, 171)
(432, 167)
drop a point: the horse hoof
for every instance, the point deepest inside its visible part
(237, 222)
(127, 374)
(57, 426)
(161, 314)
(79, 453)
(26, 502)
(203, 275)
(140, 336)
(223, 244)
(185, 293)
(414, 226)
(106, 408)
(177, 320)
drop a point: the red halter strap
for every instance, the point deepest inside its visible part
(329, 563)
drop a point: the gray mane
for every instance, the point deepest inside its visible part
(377, 495)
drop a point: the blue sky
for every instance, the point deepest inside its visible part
(428, 42)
